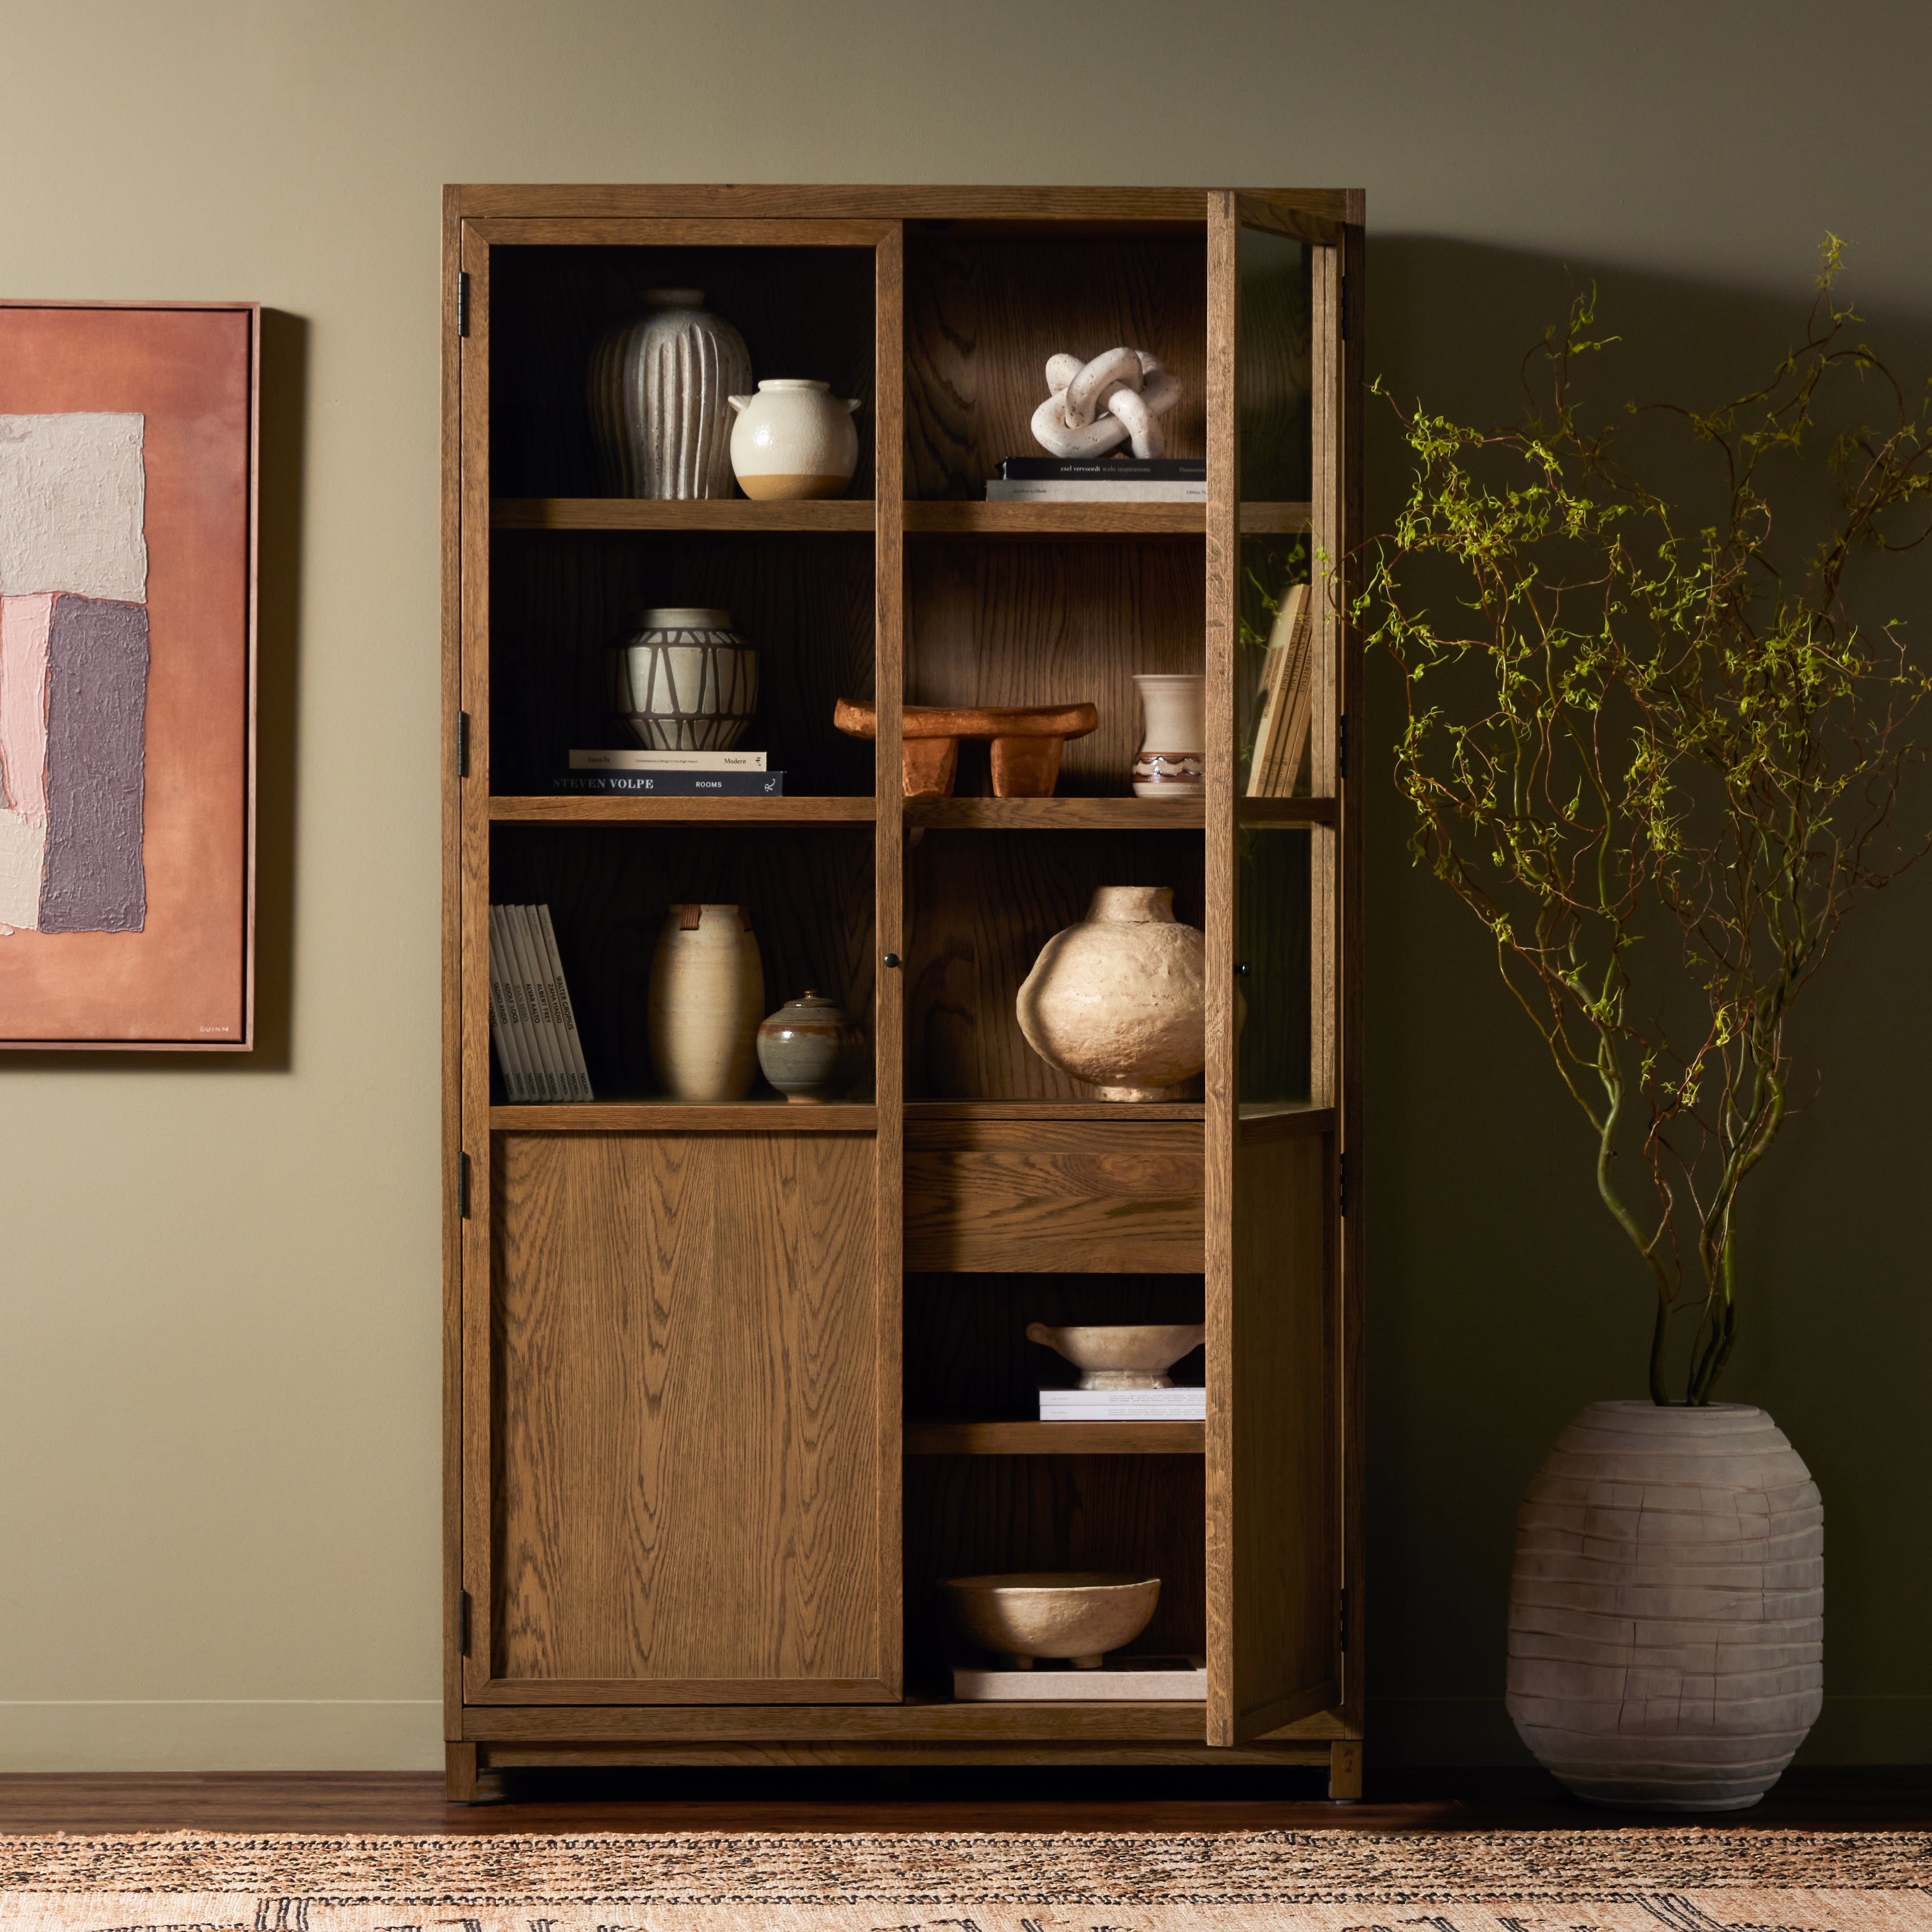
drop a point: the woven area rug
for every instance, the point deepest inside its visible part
(1607, 1881)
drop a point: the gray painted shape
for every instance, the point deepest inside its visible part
(94, 880)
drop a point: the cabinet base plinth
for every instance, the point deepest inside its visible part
(535, 1757)
(1345, 1771)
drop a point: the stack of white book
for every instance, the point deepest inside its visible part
(1157, 1405)
(530, 1017)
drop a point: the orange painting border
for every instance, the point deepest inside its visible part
(194, 965)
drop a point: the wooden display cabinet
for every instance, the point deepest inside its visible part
(729, 1388)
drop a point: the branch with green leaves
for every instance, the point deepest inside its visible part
(1658, 757)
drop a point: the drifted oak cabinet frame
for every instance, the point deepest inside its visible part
(1282, 1571)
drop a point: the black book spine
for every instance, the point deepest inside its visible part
(1104, 470)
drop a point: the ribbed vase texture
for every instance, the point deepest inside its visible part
(1666, 1608)
(660, 387)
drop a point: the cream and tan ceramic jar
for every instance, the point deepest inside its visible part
(1120, 1000)
(793, 439)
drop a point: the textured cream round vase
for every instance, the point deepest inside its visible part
(1666, 1610)
(707, 995)
(1120, 1001)
(794, 439)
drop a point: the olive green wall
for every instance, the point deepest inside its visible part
(218, 1358)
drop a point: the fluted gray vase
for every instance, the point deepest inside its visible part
(660, 386)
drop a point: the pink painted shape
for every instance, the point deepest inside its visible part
(23, 703)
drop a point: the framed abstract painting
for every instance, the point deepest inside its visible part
(128, 510)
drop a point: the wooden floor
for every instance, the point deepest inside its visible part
(1864, 1798)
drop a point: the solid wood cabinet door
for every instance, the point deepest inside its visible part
(1274, 1121)
(675, 1485)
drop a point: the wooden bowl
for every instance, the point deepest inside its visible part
(1078, 1614)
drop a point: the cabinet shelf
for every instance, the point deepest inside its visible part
(1036, 1437)
(633, 513)
(970, 518)
(945, 518)
(1057, 814)
(687, 1117)
(1054, 1110)
(570, 810)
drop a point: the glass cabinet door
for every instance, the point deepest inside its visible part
(1276, 658)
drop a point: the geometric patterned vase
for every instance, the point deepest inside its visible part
(1667, 1629)
(684, 681)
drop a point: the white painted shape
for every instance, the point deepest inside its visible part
(23, 850)
(24, 622)
(73, 504)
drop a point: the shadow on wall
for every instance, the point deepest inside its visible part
(1501, 1297)
(283, 426)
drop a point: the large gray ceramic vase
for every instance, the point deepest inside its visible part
(1667, 1606)
(660, 398)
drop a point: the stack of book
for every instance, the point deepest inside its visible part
(671, 775)
(1287, 694)
(1157, 1405)
(1104, 479)
(530, 1017)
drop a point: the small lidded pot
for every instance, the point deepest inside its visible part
(810, 1050)
(793, 439)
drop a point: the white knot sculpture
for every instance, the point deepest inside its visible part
(1097, 406)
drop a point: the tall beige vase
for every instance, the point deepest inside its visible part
(1666, 1610)
(707, 995)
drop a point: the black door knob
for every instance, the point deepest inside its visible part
(891, 959)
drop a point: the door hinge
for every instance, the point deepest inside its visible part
(1342, 746)
(1345, 1616)
(463, 744)
(1343, 318)
(463, 1622)
(1342, 1183)
(463, 1186)
(462, 303)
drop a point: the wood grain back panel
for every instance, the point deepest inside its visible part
(808, 892)
(966, 1349)
(803, 311)
(686, 1457)
(992, 622)
(1064, 1196)
(979, 907)
(984, 313)
(563, 597)
(977, 1515)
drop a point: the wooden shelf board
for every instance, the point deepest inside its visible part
(574, 810)
(1036, 1437)
(1058, 815)
(1283, 1120)
(688, 1116)
(1054, 1110)
(629, 513)
(1285, 811)
(968, 518)
(946, 518)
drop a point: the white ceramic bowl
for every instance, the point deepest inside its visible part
(1079, 1614)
